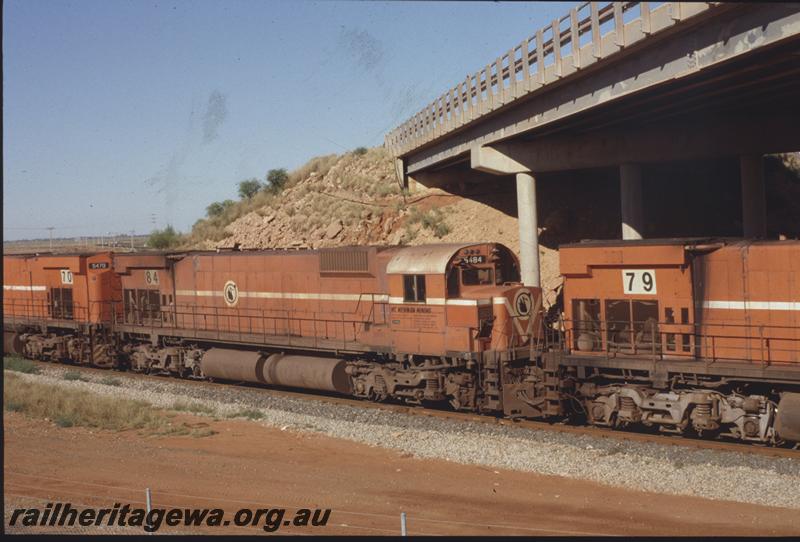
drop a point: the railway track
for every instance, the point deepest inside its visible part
(593, 431)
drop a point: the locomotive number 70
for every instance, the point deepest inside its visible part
(639, 281)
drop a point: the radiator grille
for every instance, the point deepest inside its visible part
(344, 261)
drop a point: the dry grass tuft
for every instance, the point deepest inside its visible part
(20, 365)
(319, 166)
(197, 408)
(68, 408)
(75, 375)
(432, 220)
(250, 414)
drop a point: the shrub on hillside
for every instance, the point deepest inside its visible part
(218, 208)
(249, 188)
(163, 239)
(215, 209)
(276, 180)
(432, 220)
(360, 151)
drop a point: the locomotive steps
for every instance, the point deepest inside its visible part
(644, 466)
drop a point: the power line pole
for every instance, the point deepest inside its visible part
(132, 234)
(51, 228)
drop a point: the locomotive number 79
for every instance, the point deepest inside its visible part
(639, 281)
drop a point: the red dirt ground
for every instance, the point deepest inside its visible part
(249, 465)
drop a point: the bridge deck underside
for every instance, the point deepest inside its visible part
(649, 106)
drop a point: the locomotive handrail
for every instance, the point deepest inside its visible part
(221, 322)
(30, 309)
(707, 341)
(702, 341)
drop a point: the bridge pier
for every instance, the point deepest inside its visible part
(630, 188)
(754, 199)
(491, 160)
(528, 230)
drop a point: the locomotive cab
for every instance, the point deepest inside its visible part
(456, 300)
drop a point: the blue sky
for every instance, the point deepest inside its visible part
(115, 111)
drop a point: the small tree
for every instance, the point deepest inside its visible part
(218, 208)
(215, 209)
(276, 180)
(360, 151)
(248, 188)
(162, 239)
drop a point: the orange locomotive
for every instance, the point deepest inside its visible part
(679, 335)
(420, 323)
(59, 307)
(685, 334)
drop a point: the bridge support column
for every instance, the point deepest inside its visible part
(630, 188)
(528, 230)
(490, 160)
(754, 199)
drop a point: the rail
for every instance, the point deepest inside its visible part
(591, 31)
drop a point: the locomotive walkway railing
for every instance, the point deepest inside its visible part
(710, 342)
(25, 310)
(246, 325)
(591, 32)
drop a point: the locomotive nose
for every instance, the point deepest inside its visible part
(516, 312)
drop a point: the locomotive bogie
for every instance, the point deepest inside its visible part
(748, 418)
(168, 360)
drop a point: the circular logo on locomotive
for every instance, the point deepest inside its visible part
(523, 302)
(231, 293)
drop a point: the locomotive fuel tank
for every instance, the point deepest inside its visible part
(292, 371)
(12, 343)
(787, 419)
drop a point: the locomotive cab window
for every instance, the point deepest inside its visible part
(477, 276)
(414, 288)
(632, 325)
(506, 270)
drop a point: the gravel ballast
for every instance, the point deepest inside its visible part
(662, 468)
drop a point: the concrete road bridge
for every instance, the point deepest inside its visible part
(619, 85)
